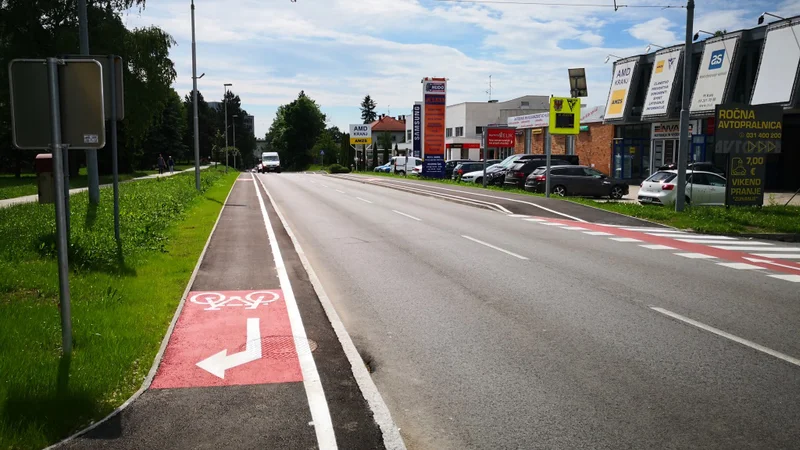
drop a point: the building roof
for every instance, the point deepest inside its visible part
(388, 123)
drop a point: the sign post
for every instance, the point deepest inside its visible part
(361, 134)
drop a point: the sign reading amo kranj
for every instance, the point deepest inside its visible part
(361, 134)
(745, 129)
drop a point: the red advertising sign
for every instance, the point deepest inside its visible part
(435, 105)
(500, 137)
(230, 338)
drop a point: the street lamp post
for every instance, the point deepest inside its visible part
(194, 102)
(234, 139)
(683, 149)
(225, 101)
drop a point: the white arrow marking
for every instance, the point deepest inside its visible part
(218, 363)
(765, 261)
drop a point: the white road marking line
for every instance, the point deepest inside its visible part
(597, 233)
(324, 185)
(727, 335)
(652, 230)
(692, 236)
(773, 263)
(575, 228)
(624, 239)
(552, 224)
(792, 278)
(756, 249)
(407, 215)
(707, 241)
(695, 255)
(520, 216)
(657, 247)
(535, 220)
(364, 200)
(341, 192)
(741, 243)
(320, 413)
(741, 266)
(778, 255)
(495, 247)
(670, 235)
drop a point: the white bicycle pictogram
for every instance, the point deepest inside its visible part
(216, 300)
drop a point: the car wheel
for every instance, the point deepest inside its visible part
(560, 191)
(688, 200)
(402, 173)
(479, 181)
(617, 192)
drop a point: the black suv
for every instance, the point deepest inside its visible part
(451, 164)
(518, 173)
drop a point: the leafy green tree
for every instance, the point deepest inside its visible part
(166, 135)
(720, 33)
(368, 114)
(295, 130)
(206, 123)
(326, 144)
(385, 140)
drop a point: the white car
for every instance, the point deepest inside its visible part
(477, 176)
(702, 188)
(417, 170)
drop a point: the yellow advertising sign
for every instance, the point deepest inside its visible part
(565, 115)
(360, 141)
(660, 66)
(617, 101)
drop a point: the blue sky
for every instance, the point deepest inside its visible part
(340, 50)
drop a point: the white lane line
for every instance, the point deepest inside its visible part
(740, 243)
(706, 241)
(670, 235)
(652, 230)
(325, 185)
(756, 249)
(341, 192)
(778, 255)
(773, 263)
(575, 228)
(597, 233)
(657, 247)
(520, 216)
(495, 247)
(391, 434)
(792, 278)
(624, 239)
(320, 413)
(364, 200)
(695, 255)
(553, 224)
(536, 220)
(741, 266)
(407, 215)
(727, 335)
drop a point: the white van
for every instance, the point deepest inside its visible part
(270, 162)
(402, 165)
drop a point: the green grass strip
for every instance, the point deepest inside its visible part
(121, 306)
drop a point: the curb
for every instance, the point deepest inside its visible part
(157, 360)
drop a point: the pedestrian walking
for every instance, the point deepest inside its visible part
(161, 164)
(171, 164)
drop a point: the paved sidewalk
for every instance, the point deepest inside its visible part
(235, 371)
(35, 197)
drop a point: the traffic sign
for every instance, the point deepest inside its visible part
(230, 338)
(106, 63)
(565, 115)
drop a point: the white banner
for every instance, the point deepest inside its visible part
(777, 70)
(712, 78)
(662, 80)
(538, 120)
(620, 87)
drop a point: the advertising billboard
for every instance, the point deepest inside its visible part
(660, 89)
(749, 129)
(565, 115)
(622, 83)
(500, 137)
(416, 132)
(434, 94)
(776, 80)
(538, 120)
(713, 76)
(361, 134)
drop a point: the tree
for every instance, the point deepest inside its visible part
(720, 33)
(368, 114)
(325, 144)
(295, 130)
(385, 141)
(206, 124)
(166, 135)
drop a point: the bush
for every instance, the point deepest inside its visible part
(338, 168)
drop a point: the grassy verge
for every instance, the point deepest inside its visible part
(122, 301)
(11, 187)
(703, 219)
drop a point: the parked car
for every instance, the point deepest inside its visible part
(498, 178)
(399, 165)
(451, 164)
(698, 166)
(385, 168)
(466, 167)
(477, 176)
(702, 188)
(417, 171)
(518, 173)
(576, 180)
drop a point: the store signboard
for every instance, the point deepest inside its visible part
(714, 74)
(622, 86)
(434, 94)
(662, 82)
(538, 120)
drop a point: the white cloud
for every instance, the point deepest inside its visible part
(657, 31)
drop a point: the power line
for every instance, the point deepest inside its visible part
(544, 3)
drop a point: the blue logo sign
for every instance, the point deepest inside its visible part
(716, 59)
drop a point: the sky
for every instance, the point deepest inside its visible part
(338, 51)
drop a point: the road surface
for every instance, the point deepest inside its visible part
(489, 330)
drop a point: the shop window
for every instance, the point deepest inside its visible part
(459, 131)
(448, 132)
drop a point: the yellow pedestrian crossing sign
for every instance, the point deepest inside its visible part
(565, 115)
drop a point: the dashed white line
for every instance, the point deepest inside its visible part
(695, 255)
(341, 192)
(552, 224)
(652, 230)
(657, 247)
(535, 220)
(597, 233)
(324, 185)
(741, 266)
(792, 278)
(727, 335)
(519, 216)
(756, 249)
(670, 235)
(778, 255)
(624, 239)
(494, 247)
(707, 240)
(407, 215)
(741, 243)
(364, 200)
(575, 228)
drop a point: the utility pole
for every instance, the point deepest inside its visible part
(91, 154)
(683, 149)
(225, 101)
(194, 102)
(234, 139)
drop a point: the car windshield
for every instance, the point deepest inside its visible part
(661, 177)
(270, 158)
(508, 162)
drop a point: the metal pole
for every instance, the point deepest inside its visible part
(114, 156)
(194, 102)
(547, 145)
(61, 224)
(485, 153)
(65, 161)
(683, 148)
(234, 142)
(225, 101)
(91, 154)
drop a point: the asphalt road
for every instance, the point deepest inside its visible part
(550, 339)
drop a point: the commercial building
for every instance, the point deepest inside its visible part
(750, 67)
